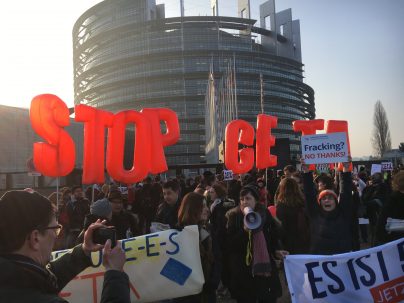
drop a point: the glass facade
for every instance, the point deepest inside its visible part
(128, 56)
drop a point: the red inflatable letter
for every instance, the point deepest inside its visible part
(171, 136)
(95, 121)
(116, 144)
(337, 126)
(308, 127)
(239, 131)
(49, 115)
(264, 141)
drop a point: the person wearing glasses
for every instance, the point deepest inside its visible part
(28, 231)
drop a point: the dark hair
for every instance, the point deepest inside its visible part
(289, 168)
(289, 193)
(20, 213)
(191, 209)
(250, 189)
(115, 194)
(326, 180)
(76, 187)
(220, 190)
(171, 185)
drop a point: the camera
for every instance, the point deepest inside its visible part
(102, 234)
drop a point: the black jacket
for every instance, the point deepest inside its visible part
(23, 280)
(393, 208)
(330, 232)
(295, 232)
(167, 214)
(242, 284)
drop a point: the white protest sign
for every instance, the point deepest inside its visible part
(324, 148)
(160, 266)
(376, 168)
(387, 166)
(227, 175)
(371, 275)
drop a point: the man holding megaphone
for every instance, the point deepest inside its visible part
(252, 245)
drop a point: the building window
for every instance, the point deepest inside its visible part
(267, 21)
(281, 29)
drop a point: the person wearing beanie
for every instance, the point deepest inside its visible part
(331, 224)
(28, 231)
(99, 210)
(250, 269)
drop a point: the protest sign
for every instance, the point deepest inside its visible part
(227, 175)
(371, 275)
(387, 166)
(324, 148)
(376, 168)
(160, 266)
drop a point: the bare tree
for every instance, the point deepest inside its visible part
(381, 133)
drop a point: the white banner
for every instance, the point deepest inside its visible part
(160, 266)
(324, 148)
(371, 275)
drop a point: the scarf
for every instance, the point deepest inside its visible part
(261, 263)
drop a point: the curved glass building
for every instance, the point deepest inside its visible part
(127, 55)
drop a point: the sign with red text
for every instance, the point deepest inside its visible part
(325, 148)
(160, 266)
(371, 275)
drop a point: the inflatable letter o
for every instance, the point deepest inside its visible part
(49, 115)
(239, 131)
(116, 144)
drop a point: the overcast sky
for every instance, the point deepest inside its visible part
(353, 51)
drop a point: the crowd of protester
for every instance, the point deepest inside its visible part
(300, 212)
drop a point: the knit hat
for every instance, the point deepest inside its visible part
(101, 208)
(325, 193)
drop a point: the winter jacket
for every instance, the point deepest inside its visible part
(330, 232)
(242, 284)
(126, 225)
(393, 208)
(295, 233)
(22, 280)
(167, 214)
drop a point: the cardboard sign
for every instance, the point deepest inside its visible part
(387, 166)
(324, 148)
(160, 266)
(371, 275)
(227, 175)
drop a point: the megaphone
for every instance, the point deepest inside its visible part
(252, 219)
